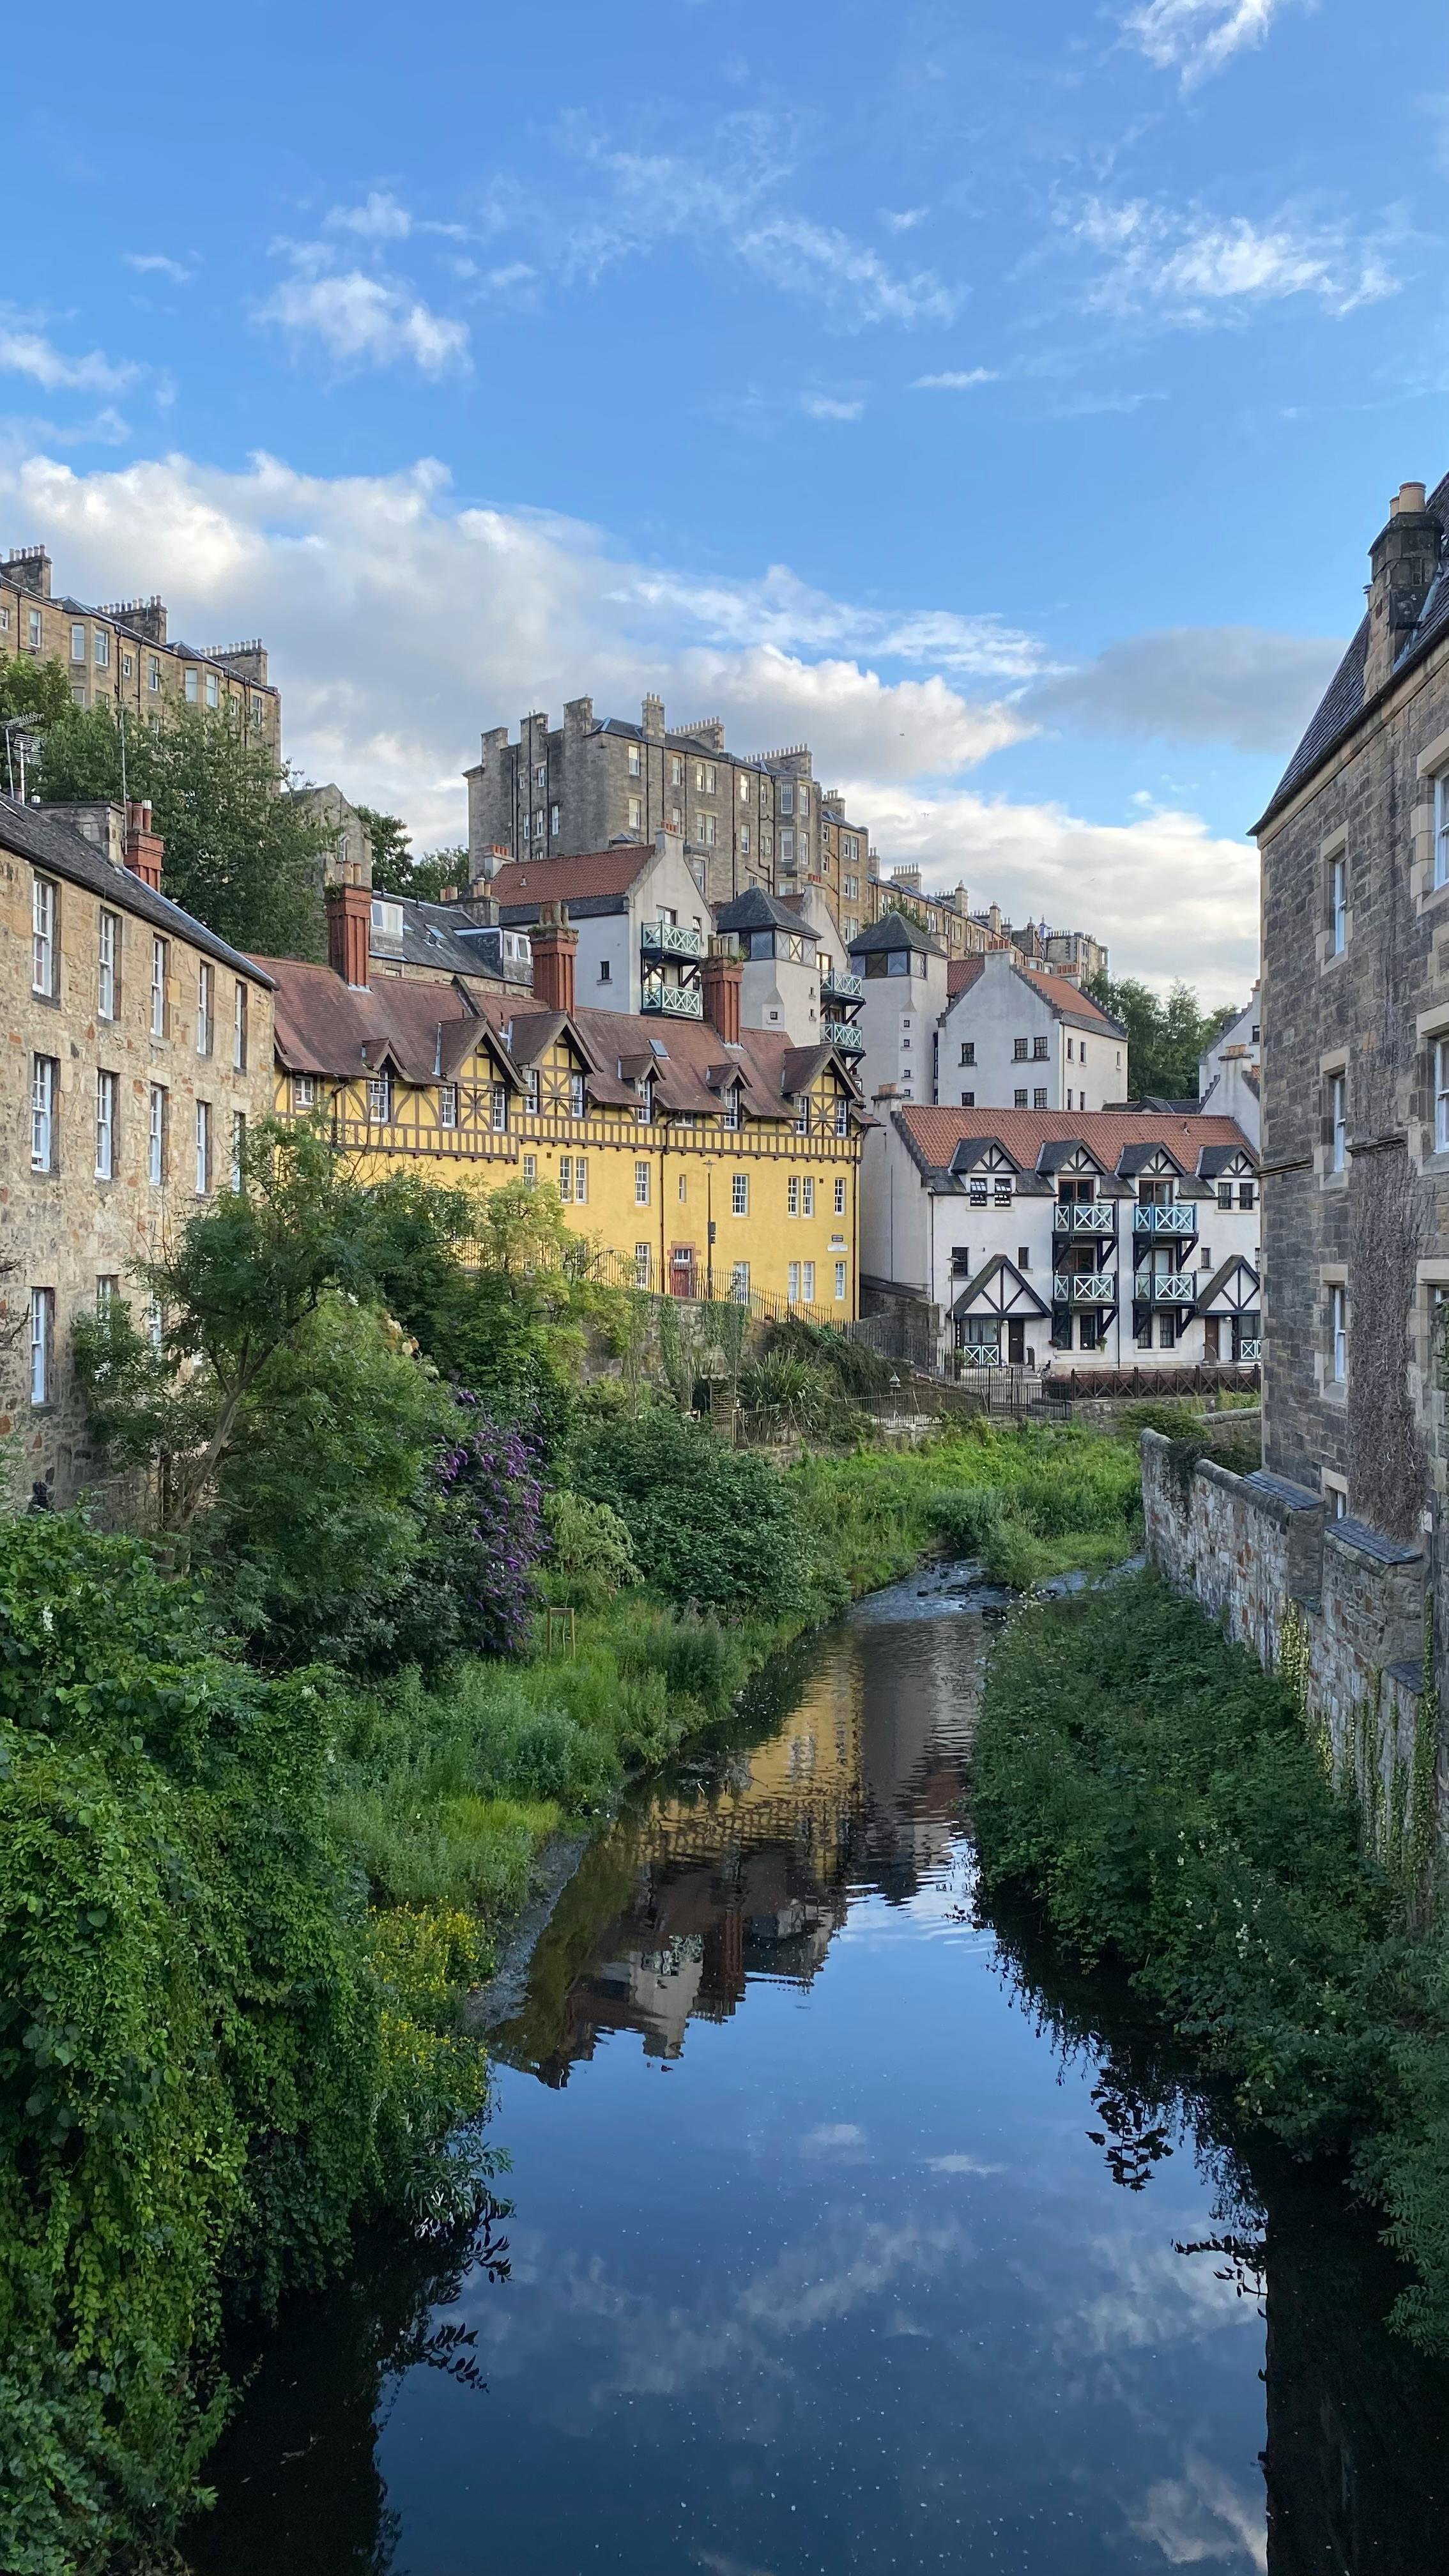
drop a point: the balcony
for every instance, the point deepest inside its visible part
(1178, 1218)
(1165, 1287)
(843, 1034)
(671, 939)
(1250, 1348)
(1091, 1216)
(673, 1001)
(837, 986)
(1084, 1288)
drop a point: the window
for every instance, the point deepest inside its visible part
(77, 643)
(792, 1195)
(683, 1187)
(1338, 1122)
(447, 1104)
(128, 666)
(105, 1126)
(787, 849)
(42, 939)
(108, 941)
(1167, 1331)
(802, 1118)
(578, 1104)
(192, 685)
(1039, 1049)
(33, 630)
(744, 840)
(744, 789)
(731, 1114)
(1338, 1334)
(238, 1146)
(792, 1283)
(636, 814)
(968, 1050)
(635, 759)
(1337, 906)
(498, 1108)
(42, 1344)
(676, 773)
(1019, 1049)
(1225, 1194)
(1441, 1095)
(606, 971)
(1018, 1100)
(1069, 1050)
(203, 1148)
(239, 1029)
(581, 1179)
(379, 1099)
(978, 1191)
(530, 1090)
(1001, 1194)
(1247, 1194)
(540, 773)
(641, 1185)
(740, 1194)
(842, 1116)
(108, 1289)
(156, 1137)
(44, 1095)
(852, 889)
(159, 961)
(740, 1283)
(566, 1178)
(641, 1265)
(553, 818)
(304, 1091)
(968, 1099)
(1039, 1098)
(807, 1282)
(839, 1281)
(1023, 1256)
(213, 693)
(787, 797)
(153, 675)
(840, 1198)
(704, 830)
(807, 1198)
(205, 1001)
(530, 1168)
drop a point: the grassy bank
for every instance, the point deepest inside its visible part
(1167, 1803)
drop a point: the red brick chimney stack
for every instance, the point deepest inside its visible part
(349, 925)
(554, 947)
(143, 847)
(720, 980)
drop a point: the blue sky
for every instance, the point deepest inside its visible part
(1001, 397)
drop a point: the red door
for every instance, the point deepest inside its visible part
(682, 1274)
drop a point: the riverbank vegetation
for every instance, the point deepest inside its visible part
(1167, 1802)
(408, 1589)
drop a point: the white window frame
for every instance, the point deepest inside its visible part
(641, 1185)
(1441, 829)
(792, 1195)
(730, 1114)
(42, 1345)
(160, 961)
(566, 1179)
(1338, 1334)
(205, 1009)
(203, 1149)
(807, 1283)
(1338, 904)
(581, 1180)
(578, 1097)
(107, 1088)
(192, 685)
(379, 1100)
(78, 643)
(643, 1264)
(238, 1145)
(498, 1108)
(739, 1193)
(304, 1091)
(840, 1282)
(44, 1085)
(43, 909)
(807, 1195)
(447, 1104)
(239, 1028)
(1338, 1121)
(156, 1136)
(1441, 1095)
(792, 1283)
(213, 690)
(840, 1198)
(107, 951)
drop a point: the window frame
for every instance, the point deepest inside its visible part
(205, 1149)
(156, 1120)
(160, 978)
(108, 1101)
(1338, 1333)
(44, 1117)
(108, 962)
(42, 1348)
(44, 938)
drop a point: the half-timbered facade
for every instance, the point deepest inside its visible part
(1118, 1238)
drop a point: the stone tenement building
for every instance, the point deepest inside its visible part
(755, 820)
(1341, 1539)
(120, 656)
(139, 1046)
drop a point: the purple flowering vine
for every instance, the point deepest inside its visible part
(488, 1483)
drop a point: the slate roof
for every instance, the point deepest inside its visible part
(323, 1027)
(434, 934)
(1342, 703)
(757, 910)
(933, 1136)
(59, 848)
(596, 879)
(1066, 999)
(893, 930)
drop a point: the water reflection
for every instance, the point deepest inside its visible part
(921, 2257)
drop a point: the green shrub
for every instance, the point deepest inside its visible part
(708, 1525)
(592, 1556)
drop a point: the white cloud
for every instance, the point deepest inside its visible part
(903, 219)
(1196, 37)
(831, 2137)
(959, 2164)
(400, 625)
(379, 218)
(1202, 2519)
(1238, 684)
(1196, 266)
(956, 380)
(25, 351)
(156, 263)
(830, 407)
(21, 434)
(362, 321)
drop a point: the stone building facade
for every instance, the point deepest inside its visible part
(756, 819)
(122, 657)
(139, 1046)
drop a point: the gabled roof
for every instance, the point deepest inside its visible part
(599, 879)
(933, 1136)
(1005, 1291)
(974, 1150)
(324, 1027)
(64, 852)
(1226, 1273)
(1343, 701)
(1062, 996)
(757, 910)
(893, 930)
(1216, 1159)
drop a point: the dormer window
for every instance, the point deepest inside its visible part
(387, 918)
(578, 1103)
(730, 1114)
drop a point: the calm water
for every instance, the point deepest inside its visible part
(849, 2233)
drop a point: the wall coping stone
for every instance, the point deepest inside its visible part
(1283, 1491)
(1359, 1540)
(1410, 1676)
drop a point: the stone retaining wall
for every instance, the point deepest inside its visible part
(1266, 1562)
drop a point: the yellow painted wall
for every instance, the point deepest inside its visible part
(689, 1174)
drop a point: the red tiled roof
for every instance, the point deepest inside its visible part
(589, 873)
(962, 973)
(936, 1133)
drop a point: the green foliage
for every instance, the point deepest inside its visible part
(31, 688)
(1164, 1039)
(1169, 1803)
(708, 1525)
(241, 854)
(203, 2086)
(396, 871)
(592, 1556)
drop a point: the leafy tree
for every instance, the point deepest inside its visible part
(395, 869)
(240, 854)
(708, 1525)
(233, 1301)
(31, 688)
(1164, 1039)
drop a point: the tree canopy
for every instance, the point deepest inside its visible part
(396, 870)
(241, 855)
(1164, 1039)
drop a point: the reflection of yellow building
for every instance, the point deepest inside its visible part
(703, 1154)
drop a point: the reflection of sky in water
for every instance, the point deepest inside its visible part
(814, 2264)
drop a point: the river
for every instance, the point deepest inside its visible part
(849, 2231)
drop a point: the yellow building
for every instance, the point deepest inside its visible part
(711, 1159)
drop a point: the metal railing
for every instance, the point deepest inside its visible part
(843, 1034)
(674, 1001)
(1177, 1218)
(837, 986)
(1084, 1288)
(1165, 1288)
(670, 939)
(1089, 1216)
(1250, 1353)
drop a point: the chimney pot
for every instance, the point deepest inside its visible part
(1409, 496)
(349, 925)
(144, 849)
(555, 946)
